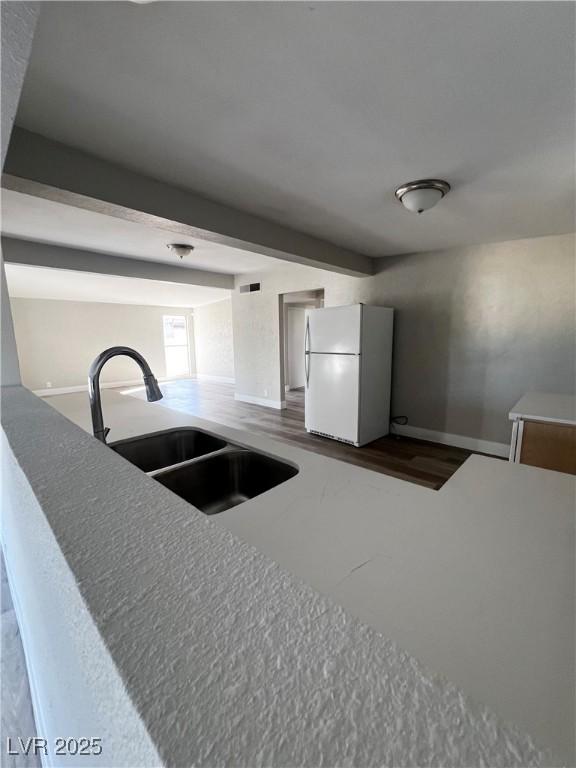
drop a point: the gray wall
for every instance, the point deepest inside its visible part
(476, 328)
(17, 27)
(57, 340)
(294, 371)
(213, 339)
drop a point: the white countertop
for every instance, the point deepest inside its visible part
(180, 644)
(545, 406)
(475, 580)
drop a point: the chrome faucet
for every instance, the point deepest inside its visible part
(152, 389)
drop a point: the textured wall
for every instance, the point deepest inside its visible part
(476, 328)
(64, 648)
(57, 340)
(17, 27)
(213, 340)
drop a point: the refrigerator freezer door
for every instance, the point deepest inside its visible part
(335, 329)
(331, 394)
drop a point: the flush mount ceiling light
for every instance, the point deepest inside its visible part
(180, 249)
(419, 196)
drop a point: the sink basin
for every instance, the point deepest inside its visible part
(163, 449)
(219, 482)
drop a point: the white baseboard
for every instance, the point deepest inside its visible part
(278, 404)
(103, 385)
(221, 379)
(459, 441)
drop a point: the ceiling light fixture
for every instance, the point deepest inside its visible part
(419, 196)
(180, 249)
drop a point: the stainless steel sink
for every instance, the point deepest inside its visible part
(216, 483)
(203, 469)
(163, 449)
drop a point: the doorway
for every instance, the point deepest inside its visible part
(293, 308)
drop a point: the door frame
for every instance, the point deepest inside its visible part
(307, 299)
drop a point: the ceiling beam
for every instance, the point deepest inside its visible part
(39, 166)
(59, 257)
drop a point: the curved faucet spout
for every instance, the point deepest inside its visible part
(152, 389)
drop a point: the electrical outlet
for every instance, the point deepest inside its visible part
(265, 393)
(49, 385)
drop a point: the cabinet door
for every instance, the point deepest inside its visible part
(550, 446)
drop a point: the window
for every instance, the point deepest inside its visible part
(176, 345)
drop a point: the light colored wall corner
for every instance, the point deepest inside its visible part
(265, 401)
(17, 26)
(57, 340)
(475, 329)
(214, 341)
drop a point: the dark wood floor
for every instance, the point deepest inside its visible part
(417, 461)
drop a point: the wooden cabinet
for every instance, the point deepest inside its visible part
(544, 432)
(551, 446)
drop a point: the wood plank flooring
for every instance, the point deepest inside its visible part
(417, 461)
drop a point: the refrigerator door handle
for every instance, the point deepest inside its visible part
(307, 351)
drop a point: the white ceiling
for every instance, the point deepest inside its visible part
(312, 113)
(34, 218)
(28, 282)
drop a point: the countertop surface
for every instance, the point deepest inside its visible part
(180, 644)
(476, 580)
(546, 406)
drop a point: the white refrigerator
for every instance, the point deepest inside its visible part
(348, 363)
